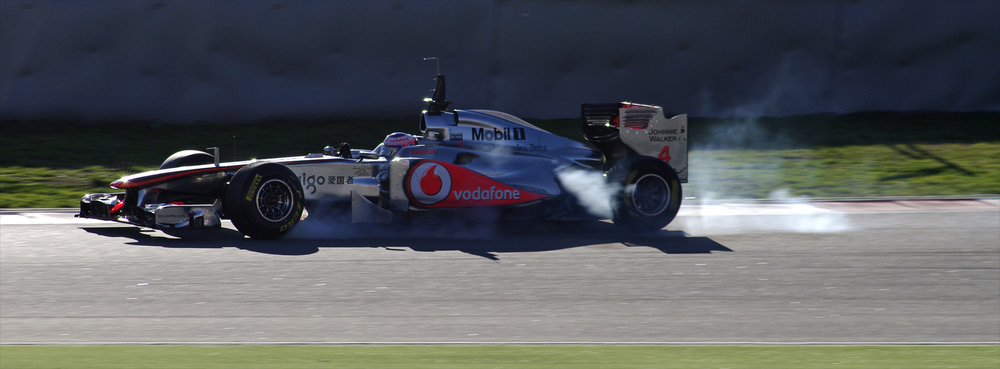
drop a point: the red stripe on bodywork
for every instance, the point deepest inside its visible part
(120, 184)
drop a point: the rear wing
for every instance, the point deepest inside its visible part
(625, 129)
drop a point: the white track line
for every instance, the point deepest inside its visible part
(511, 343)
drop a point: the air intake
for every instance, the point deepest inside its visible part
(600, 121)
(638, 118)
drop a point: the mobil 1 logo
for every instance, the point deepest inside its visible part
(497, 134)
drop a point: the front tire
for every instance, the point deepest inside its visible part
(650, 194)
(264, 200)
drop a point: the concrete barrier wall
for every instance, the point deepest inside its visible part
(185, 61)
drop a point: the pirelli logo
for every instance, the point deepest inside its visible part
(253, 187)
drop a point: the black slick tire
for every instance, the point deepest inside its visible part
(649, 196)
(264, 200)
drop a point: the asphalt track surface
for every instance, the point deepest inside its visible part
(848, 272)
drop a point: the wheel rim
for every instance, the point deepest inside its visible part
(274, 200)
(650, 195)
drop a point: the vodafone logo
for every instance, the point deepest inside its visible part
(430, 183)
(437, 184)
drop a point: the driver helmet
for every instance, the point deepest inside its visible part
(394, 141)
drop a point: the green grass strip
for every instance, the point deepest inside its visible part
(473, 357)
(52, 164)
(847, 171)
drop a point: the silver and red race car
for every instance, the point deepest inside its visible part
(462, 161)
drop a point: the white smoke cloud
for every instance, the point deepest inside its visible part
(812, 219)
(780, 214)
(591, 189)
(711, 215)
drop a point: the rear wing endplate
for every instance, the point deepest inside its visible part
(642, 128)
(649, 133)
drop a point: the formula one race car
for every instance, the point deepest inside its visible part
(463, 160)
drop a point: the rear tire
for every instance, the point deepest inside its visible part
(264, 200)
(650, 194)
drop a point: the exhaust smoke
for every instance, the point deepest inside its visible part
(781, 214)
(591, 189)
(712, 175)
